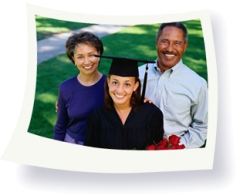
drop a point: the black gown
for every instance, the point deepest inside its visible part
(143, 126)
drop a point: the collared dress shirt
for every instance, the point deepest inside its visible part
(182, 96)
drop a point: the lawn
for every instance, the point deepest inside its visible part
(133, 42)
(47, 27)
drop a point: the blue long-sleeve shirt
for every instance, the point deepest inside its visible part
(75, 103)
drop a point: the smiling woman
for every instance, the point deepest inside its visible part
(124, 122)
(79, 95)
(86, 62)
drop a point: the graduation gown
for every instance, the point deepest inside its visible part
(143, 126)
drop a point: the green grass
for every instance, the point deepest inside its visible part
(46, 27)
(195, 57)
(133, 42)
(49, 75)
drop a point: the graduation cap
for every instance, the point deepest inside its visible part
(127, 67)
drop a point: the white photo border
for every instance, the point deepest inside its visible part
(30, 149)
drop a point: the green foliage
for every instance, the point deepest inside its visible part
(195, 56)
(132, 42)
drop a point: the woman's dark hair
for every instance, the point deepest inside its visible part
(82, 38)
(178, 25)
(135, 99)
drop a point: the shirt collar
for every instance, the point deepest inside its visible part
(173, 69)
(177, 66)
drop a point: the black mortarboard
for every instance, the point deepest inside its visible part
(124, 67)
(127, 67)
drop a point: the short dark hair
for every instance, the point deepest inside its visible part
(178, 25)
(82, 38)
(135, 99)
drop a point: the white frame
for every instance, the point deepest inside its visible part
(30, 149)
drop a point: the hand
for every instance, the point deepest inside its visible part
(146, 100)
(56, 106)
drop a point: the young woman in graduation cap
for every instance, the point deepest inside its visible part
(124, 122)
(81, 94)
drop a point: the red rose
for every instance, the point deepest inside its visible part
(151, 147)
(174, 140)
(172, 143)
(180, 146)
(163, 144)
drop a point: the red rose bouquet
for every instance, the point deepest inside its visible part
(172, 143)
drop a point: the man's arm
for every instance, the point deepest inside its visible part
(197, 132)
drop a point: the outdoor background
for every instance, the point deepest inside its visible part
(133, 41)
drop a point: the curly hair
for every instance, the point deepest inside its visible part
(82, 38)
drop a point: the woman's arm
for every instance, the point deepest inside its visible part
(62, 118)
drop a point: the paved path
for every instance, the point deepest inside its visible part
(55, 45)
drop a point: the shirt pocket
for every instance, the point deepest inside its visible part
(178, 101)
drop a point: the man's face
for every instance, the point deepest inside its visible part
(171, 45)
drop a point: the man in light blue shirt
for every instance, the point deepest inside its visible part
(178, 91)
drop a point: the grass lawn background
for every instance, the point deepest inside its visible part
(47, 27)
(133, 42)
